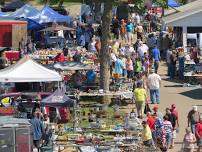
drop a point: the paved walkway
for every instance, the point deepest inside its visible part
(184, 98)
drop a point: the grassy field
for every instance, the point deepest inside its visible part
(107, 115)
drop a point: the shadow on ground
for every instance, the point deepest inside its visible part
(173, 86)
(195, 94)
(173, 80)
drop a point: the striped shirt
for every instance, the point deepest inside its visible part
(168, 127)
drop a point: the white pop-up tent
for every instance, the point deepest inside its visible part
(27, 70)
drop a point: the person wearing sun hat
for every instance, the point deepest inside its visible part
(193, 118)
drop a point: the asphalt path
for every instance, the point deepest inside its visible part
(172, 91)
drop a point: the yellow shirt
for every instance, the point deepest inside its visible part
(146, 134)
(140, 94)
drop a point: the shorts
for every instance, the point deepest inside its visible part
(129, 74)
(130, 35)
(148, 142)
(199, 142)
(174, 134)
(124, 72)
(139, 105)
(169, 139)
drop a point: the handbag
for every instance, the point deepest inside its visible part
(147, 108)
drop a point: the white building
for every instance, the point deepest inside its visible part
(188, 16)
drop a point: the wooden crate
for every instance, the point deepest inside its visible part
(19, 33)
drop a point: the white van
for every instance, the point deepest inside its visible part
(194, 39)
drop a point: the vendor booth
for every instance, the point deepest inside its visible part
(57, 106)
(27, 70)
(12, 32)
(48, 15)
(15, 135)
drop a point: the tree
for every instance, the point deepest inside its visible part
(139, 6)
(105, 55)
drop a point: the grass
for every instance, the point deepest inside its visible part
(109, 120)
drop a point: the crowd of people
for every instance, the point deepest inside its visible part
(135, 54)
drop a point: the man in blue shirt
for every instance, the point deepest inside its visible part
(38, 129)
(156, 57)
(90, 77)
(118, 67)
(130, 29)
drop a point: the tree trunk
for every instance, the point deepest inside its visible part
(104, 54)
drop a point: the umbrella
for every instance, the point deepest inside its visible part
(58, 28)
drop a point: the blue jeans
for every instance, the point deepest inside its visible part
(168, 65)
(156, 66)
(172, 70)
(155, 96)
(193, 128)
(168, 138)
(181, 73)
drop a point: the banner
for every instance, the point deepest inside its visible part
(7, 111)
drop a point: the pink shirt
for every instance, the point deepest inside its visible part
(129, 65)
(189, 140)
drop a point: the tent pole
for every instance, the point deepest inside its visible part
(58, 84)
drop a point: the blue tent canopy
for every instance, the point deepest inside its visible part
(32, 25)
(173, 3)
(3, 14)
(26, 11)
(48, 15)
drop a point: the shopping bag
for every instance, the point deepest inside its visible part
(147, 108)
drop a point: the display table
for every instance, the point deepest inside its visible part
(12, 55)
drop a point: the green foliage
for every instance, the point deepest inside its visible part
(138, 6)
(162, 3)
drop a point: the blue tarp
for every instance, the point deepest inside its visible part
(32, 25)
(3, 14)
(173, 3)
(26, 11)
(48, 15)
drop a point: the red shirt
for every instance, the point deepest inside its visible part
(151, 122)
(60, 58)
(199, 130)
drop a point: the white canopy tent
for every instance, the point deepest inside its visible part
(27, 70)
